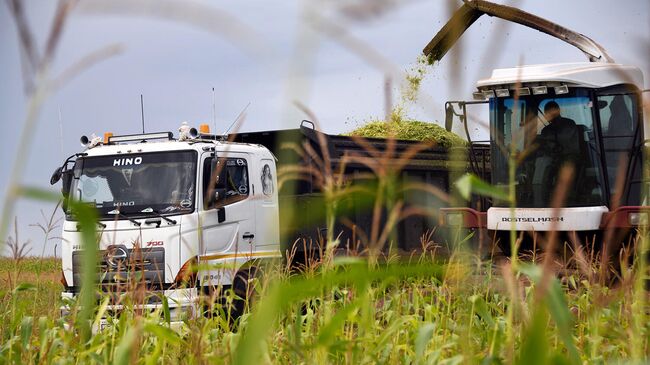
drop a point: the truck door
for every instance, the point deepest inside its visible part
(266, 204)
(228, 211)
(622, 134)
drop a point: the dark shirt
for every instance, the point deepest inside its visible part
(563, 133)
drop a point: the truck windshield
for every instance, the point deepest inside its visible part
(137, 184)
(542, 133)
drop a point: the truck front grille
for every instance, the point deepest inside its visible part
(120, 268)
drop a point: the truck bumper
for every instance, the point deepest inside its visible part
(183, 304)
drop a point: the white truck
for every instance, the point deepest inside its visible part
(166, 204)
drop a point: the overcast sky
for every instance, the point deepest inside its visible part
(283, 59)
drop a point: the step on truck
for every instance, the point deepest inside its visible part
(168, 205)
(587, 115)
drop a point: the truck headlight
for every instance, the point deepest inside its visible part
(638, 218)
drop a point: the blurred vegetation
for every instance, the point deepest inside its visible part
(352, 313)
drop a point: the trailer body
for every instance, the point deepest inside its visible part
(352, 160)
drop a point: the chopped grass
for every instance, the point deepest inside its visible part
(412, 130)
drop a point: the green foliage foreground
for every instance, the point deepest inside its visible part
(353, 312)
(467, 309)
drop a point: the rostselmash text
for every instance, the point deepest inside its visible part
(532, 219)
(127, 161)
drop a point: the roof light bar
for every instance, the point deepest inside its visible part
(502, 93)
(559, 90)
(478, 95)
(204, 128)
(524, 91)
(539, 90)
(140, 137)
(488, 94)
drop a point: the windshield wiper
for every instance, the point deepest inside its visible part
(158, 214)
(120, 214)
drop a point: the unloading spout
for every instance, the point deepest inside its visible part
(471, 10)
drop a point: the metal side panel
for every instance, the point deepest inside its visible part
(546, 219)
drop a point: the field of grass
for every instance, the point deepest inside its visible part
(30, 287)
(463, 311)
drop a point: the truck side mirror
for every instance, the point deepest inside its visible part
(66, 182)
(449, 117)
(219, 194)
(221, 214)
(56, 175)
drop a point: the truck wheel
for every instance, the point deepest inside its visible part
(244, 289)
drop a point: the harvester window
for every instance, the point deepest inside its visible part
(617, 118)
(543, 133)
(228, 181)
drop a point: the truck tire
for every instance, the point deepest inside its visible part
(244, 289)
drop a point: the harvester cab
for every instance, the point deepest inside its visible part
(584, 118)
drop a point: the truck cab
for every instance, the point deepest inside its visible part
(166, 205)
